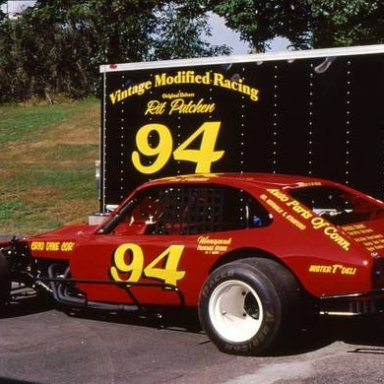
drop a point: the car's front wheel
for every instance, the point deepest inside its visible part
(246, 305)
(5, 281)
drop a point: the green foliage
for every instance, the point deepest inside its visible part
(56, 46)
(260, 21)
(347, 22)
(182, 26)
(306, 23)
(2, 14)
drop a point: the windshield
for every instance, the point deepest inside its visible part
(338, 206)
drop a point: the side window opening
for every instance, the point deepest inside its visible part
(189, 210)
(338, 206)
(206, 209)
(256, 215)
(243, 211)
(135, 217)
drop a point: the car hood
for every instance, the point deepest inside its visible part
(59, 243)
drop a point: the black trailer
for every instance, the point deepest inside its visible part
(315, 112)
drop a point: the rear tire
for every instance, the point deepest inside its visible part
(246, 306)
(5, 280)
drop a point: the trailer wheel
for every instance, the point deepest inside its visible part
(245, 306)
(5, 280)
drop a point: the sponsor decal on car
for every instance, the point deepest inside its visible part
(213, 246)
(371, 240)
(333, 269)
(289, 206)
(53, 246)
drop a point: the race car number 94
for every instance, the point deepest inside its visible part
(129, 265)
(161, 153)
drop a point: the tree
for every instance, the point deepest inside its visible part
(58, 45)
(258, 22)
(181, 30)
(2, 14)
(306, 23)
(347, 22)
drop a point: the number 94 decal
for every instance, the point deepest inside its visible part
(128, 265)
(160, 154)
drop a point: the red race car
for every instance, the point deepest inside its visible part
(253, 252)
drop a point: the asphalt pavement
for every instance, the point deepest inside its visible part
(40, 344)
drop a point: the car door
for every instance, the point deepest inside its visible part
(147, 252)
(161, 245)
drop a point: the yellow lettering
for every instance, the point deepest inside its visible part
(67, 246)
(37, 246)
(334, 235)
(332, 269)
(275, 206)
(181, 107)
(220, 81)
(52, 246)
(128, 264)
(155, 107)
(136, 89)
(297, 207)
(278, 194)
(318, 222)
(296, 222)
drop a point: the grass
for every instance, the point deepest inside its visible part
(17, 122)
(47, 158)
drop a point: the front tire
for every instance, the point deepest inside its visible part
(5, 280)
(245, 306)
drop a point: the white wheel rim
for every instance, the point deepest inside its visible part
(235, 311)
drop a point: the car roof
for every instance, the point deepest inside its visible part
(258, 180)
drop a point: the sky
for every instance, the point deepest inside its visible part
(15, 6)
(223, 35)
(220, 33)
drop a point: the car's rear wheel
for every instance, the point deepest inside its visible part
(245, 306)
(5, 281)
